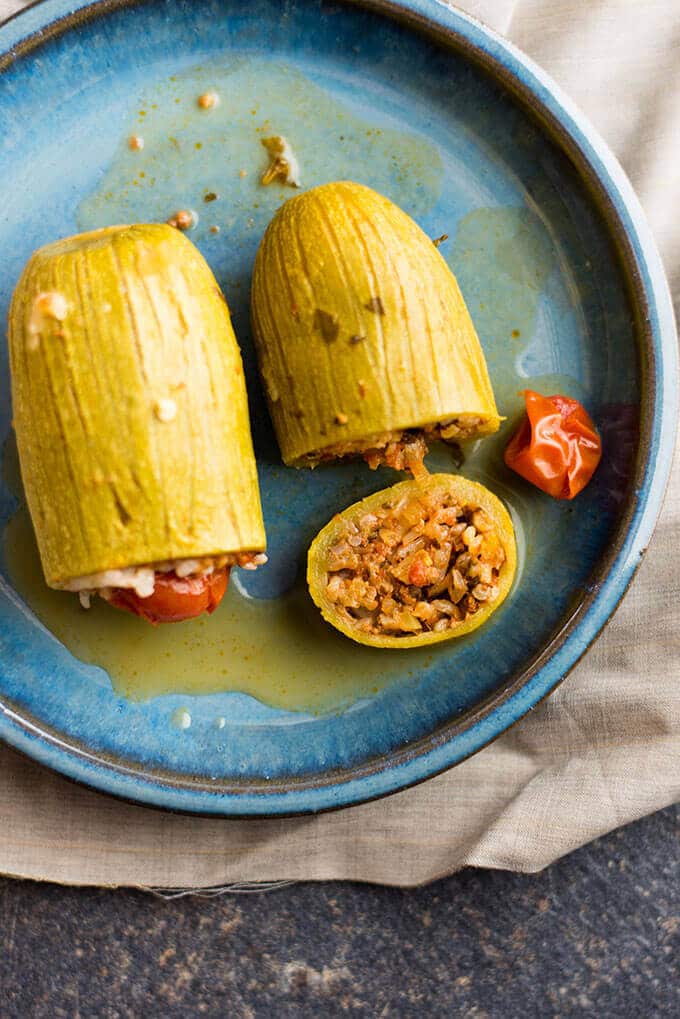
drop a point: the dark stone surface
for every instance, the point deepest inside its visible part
(597, 934)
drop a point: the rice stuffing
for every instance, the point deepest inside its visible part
(424, 564)
(142, 579)
(403, 449)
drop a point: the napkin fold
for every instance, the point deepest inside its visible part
(602, 751)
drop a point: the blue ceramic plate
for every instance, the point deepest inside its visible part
(564, 284)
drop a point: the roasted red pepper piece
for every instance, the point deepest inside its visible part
(557, 447)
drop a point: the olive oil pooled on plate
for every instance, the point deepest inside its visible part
(278, 650)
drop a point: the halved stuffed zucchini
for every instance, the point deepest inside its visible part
(418, 563)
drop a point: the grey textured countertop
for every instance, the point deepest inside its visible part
(598, 934)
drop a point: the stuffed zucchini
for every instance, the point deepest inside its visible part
(364, 341)
(131, 421)
(418, 563)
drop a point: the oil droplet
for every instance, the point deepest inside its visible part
(183, 219)
(181, 719)
(208, 100)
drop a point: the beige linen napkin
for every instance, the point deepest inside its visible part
(605, 749)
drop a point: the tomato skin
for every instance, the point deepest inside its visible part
(174, 598)
(557, 447)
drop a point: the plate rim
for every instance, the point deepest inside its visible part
(626, 225)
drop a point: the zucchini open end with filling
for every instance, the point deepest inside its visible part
(364, 341)
(421, 562)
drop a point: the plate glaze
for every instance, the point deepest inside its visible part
(561, 277)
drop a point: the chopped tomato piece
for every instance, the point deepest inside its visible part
(418, 573)
(556, 447)
(174, 598)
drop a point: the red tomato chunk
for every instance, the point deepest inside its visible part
(557, 447)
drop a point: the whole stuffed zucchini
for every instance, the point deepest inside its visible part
(131, 420)
(418, 563)
(364, 341)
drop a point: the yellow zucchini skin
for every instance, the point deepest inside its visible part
(466, 493)
(359, 324)
(130, 405)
